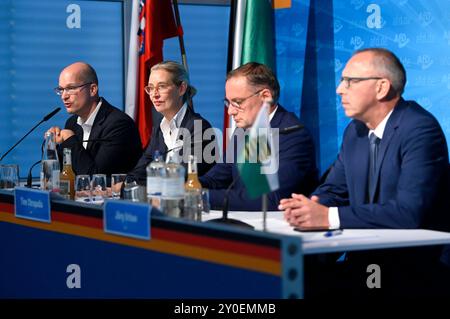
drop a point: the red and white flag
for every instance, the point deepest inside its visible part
(151, 23)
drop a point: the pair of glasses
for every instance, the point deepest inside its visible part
(71, 90)
(348, 80)
(162, 88)
(237, 104)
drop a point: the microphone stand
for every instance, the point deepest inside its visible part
(224, 219)
(30, 176)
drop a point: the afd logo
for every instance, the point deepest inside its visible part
(401, 39)
(338, 65)
(425, 61)
(356, 42)
(337, 26)
(425, 18)
(357, 4)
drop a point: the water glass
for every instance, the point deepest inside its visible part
(116, 184)
(98, 186)
(206, 207)
(83, 188)
(9, 176)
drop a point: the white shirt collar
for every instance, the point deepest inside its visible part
(90, 121)
(175, 122)
(170, 128)
(379, 130)
(87, 126)
(271, 115)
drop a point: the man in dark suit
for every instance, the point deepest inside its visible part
(247, 88)
(114, 144)
(181, 129)
(391, 169)
(390, 173)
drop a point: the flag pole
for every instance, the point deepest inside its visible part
(182, 48)
(264, 209)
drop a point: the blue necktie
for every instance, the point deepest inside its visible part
(374, 141)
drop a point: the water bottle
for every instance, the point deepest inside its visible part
(50, 165)
(155, 171)
(173, 187)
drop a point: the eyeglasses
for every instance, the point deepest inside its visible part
(162, 88)
(348, 80)
(238, 104)
(71, 90)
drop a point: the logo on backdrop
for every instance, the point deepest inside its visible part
(73, 20)
(401, 39)
(374, 19)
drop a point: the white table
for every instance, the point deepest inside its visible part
(349, 240)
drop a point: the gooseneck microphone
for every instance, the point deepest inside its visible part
(224, 219)
(46, 118)
(292, 128)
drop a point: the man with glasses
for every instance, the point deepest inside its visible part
(246, 89)
(102, 138)
(392, 166)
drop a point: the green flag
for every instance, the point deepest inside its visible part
(257, 161)
(258, 42)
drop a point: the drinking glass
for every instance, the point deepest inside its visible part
(99, 192)
(206, 207)
(9, 176)
(83, 188)
(116, 184)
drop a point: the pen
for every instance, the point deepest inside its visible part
(332, 233)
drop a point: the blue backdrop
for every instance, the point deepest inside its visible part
(418, 32)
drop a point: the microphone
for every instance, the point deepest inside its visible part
(192, 143)
(291, 129)
(97, 140)
(51, 114)
(224, 219)
(46, 118)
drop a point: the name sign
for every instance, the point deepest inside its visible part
(127, 219)
(32, 204)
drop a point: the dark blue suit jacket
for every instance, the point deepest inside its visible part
(297, 170)
(139, 173)
(412, 164)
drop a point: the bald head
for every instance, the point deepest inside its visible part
(82, 72)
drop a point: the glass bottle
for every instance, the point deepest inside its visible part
(50, 165)
(155, 172)
(193, 192)
(67, 176)
(172, 195)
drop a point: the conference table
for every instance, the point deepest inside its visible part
(72, 256)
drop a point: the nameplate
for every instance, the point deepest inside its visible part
(127, 219)
(32, 204)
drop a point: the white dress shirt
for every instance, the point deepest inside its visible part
(87, 126)
(171, 127)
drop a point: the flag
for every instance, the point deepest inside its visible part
(253, 39)
(257, 161)
(156, 23)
